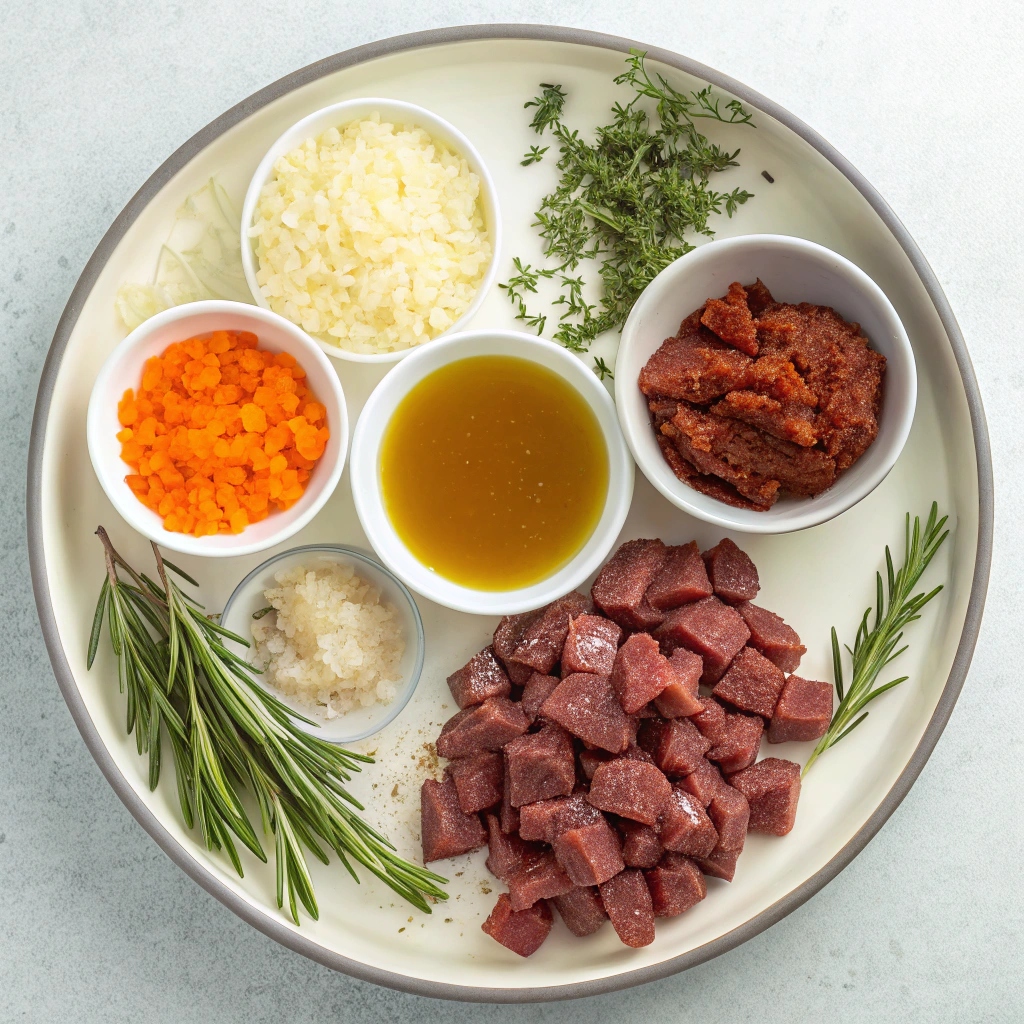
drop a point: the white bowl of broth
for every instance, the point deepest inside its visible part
(489, 472)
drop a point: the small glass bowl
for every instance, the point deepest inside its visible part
(359, 723)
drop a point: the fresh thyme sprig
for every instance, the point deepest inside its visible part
(875, 647)
(626, 200)
(229, 735)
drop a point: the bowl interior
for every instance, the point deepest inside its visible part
(123, 370)
(362, 722)
(794, 271)
(366, 485)
(397, 112)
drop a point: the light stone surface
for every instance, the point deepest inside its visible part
(926, 98)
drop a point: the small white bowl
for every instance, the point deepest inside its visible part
(366, 483)
(396, 112)
(794, 270)
(362, 722)
(123, 369)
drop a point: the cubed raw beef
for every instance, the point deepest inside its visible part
(445, 829)
(537, 880)
(772, 637)
(685, 826)
(506, 638)
(507, 854)
(752, 683)
(710, 720)
(711, 629)
(675, 885)
(739, 746)
(620, 586)
(522, 932)
(479, 780)
(546, 819)
(681, 579)
(581, 910)
(679, 698)
(733, 575)
(590, 645)
(730, 813)
(541, 643)
(803, 712)
(486, 726)
(676, 745)
(703, 782)
(640, 672)
(641, 847)
(772, 788)
(540, 765)
(482, 677)
(537, 690)
(508, 815)
(719, 864)
(630, 789)
(590, 854)
(627, 902)
(586, 706)
(589, 760)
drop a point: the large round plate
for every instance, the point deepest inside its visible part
(478, 78)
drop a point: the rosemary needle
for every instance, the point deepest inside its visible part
(229, 736)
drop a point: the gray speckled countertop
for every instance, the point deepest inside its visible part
(926, 97)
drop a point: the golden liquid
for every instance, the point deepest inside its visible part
(494, 472)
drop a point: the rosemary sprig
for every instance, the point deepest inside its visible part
(625, 200)
(875, 647)
(229, 735)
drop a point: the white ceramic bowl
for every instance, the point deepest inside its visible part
(366, 485)
(397, 112)
(123, 369)
(795, 270)
(361, 722)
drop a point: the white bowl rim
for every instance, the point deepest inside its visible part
(366, 491)
(422, 118)
(812, 511)
(132, 510)
(343, 551)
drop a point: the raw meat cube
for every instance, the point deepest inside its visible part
(541, 643)
(537, 690)
(590, 645)
(641, 847)
(772, 637)
(676, 745)
(480, 678)
(522, 932)
(508, 815)
(730, 813)
(507, 854)
(739, 747)
(581, 910)
(711, 629)
(732, 573)
(685, 826)
(486, 726)
(546, 819)
(702, 783)
(720, 864)
(630, 789)
(586, 706)
(590, 854)
(445, 829)
(640, 672)
(710, 720)
(589, 760)
(803, 712)
(620, 586)
(730, 319)
(627, 902)
(772, 788)
(752, 683)
(681, 579)
(537, 880)
(540, 765)
(479, 780)
(675, 885)
(506, 638)
(679, 698)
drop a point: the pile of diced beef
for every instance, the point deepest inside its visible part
(607, 783)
